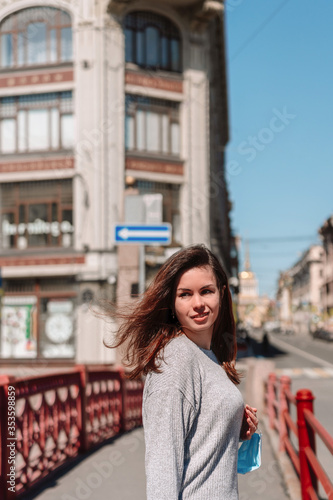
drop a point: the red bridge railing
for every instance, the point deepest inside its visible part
(279, 399)
(58, 417)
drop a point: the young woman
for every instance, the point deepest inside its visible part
(182, 336)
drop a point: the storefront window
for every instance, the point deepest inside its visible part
(19, 327)
(37, 35)
(39, 122)
(37, 321)
(37, 214)
(57, 328)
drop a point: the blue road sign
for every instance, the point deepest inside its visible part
(143, 233)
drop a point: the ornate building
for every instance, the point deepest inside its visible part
(252, 308)
(248, 282)
(100, 100)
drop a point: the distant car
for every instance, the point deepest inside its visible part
(272, 327)
(243, 339)
(288, 330)
(323, 334)
(242, 333)
(242, 346)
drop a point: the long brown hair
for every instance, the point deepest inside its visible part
(145, 330)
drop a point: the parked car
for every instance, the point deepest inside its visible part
(242, 332)
(287, 330)
(243, 340)
(323, 334)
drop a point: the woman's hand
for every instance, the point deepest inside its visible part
(249, 424)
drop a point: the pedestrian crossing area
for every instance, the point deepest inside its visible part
(324, 372)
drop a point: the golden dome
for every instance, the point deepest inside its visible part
(246, 275)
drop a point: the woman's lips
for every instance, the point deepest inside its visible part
(200, 317)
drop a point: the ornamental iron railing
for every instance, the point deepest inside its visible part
(58, 416)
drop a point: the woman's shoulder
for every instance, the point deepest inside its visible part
(180, 347)
(179, 368)
(180, 353)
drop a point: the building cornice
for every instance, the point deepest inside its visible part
(200, 13)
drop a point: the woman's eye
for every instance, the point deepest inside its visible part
(207, 291)
(184, 294)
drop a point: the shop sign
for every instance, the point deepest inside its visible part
(37, 227)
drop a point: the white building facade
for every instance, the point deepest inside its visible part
(100, 100)
(284, 299)
(305, 280)
(326, 291)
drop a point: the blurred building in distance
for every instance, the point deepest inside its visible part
(299, 291)
(284, 299)
(99, 101)
(326, 288)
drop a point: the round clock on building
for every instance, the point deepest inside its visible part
(59, 328)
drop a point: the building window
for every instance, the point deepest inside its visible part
(35, 36)
(36, 214)
(39, 122)
(171, 196)
(152, 126)
(152, 41)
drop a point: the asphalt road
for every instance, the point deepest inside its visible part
(306, 349)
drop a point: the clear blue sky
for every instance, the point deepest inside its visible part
(279, 61)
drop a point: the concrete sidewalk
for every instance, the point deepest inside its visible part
(113, 472)
(267, 482)
(116, 472)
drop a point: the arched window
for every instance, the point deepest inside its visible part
(33, 36)
(152, 41)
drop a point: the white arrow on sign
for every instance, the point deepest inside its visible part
(126, 233)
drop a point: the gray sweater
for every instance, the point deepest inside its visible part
(192, 415)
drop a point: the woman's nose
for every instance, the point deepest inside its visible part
(198, 301)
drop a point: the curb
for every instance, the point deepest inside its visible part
(289, 475)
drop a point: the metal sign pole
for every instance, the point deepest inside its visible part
(1, 294)
(142, 269)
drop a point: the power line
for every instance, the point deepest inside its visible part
(266, 254)
(281, 239)
(258, 30)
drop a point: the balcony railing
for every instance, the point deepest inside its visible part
(58, 417)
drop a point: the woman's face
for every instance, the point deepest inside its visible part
(197, 304)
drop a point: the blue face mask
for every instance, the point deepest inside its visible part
(249, 454)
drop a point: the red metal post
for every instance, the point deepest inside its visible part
(6, 493)
(285, 383)
(82, 424)
(306, 438)
(271, 398)
(3, 449)
(123, 426)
